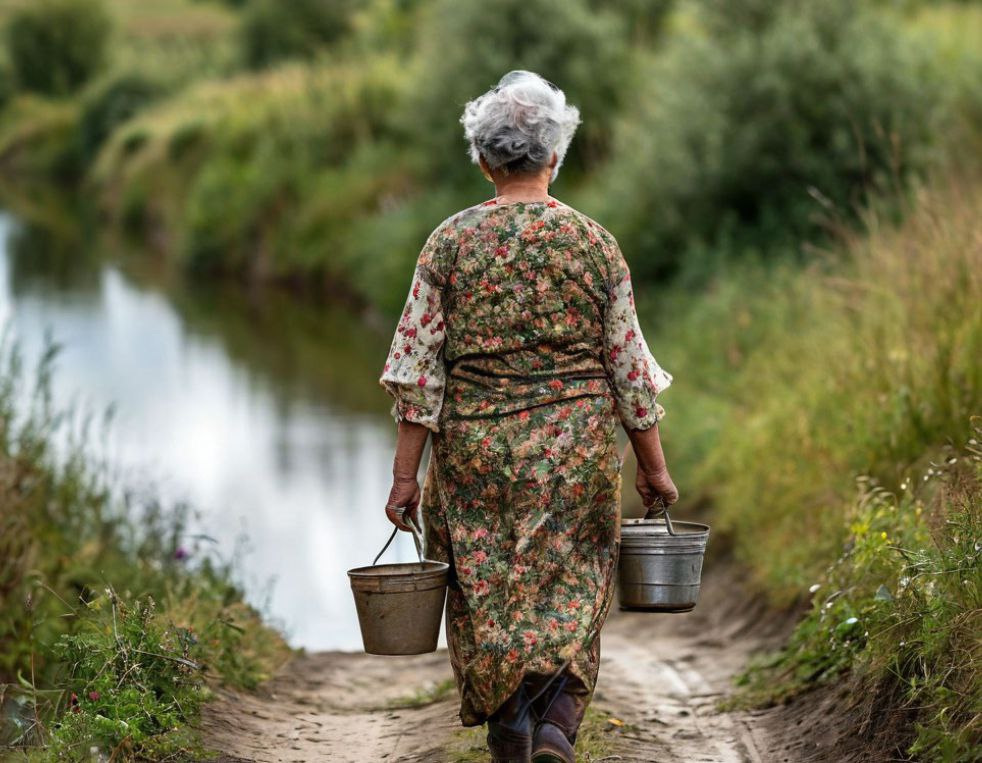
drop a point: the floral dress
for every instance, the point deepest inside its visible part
(519, 347)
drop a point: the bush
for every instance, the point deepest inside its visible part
(902, 608)
(467, 45)
(110, 619)
(869, 370)
(6, 85)
(766, 131)
(273, 30)
(56, 46)
(110, 105)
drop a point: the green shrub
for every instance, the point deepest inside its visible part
(467, 45)
(765, 129)
(902, 608)
(232, 213)
(56, 46)
(644, 19)
(112, 624)
(38, 140)
(273, 30)
(6, 85)
(866, 370)
(110, 105)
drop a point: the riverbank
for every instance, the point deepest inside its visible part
(325, 173)
(116, 624)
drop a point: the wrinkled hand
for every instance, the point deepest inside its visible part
(654, 485)
(405, 492)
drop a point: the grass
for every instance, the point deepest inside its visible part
(866, 365)
(114, 622)
(901, 608)
(426, 695)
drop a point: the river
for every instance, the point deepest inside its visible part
(263, 412)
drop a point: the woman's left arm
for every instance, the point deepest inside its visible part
(415, 376)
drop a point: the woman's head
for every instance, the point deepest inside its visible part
(519, 125)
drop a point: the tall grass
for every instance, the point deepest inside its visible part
(865, 365)
(114, 621)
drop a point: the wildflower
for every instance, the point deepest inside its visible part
(94, 696)
(180, 553)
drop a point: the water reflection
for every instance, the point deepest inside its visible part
(264, 413)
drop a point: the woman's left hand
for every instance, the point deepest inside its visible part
(404, 493)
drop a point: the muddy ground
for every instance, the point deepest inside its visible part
(661, 676)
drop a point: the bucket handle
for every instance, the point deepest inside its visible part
(417, 537)
(661, 510)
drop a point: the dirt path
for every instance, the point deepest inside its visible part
(660, 674)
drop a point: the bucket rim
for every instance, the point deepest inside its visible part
(688, 528)
(431, 569)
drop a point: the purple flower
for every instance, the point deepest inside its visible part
(180, 553)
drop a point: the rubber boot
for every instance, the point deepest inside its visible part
(510, 729)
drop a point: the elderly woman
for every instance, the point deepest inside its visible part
(519, 349)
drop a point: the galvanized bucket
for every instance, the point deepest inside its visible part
(660, 568)
(400, 605)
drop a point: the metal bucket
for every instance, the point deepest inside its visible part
(400, 606)
(660, 568)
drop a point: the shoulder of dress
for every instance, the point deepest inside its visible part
(460, 219)
(591, 225)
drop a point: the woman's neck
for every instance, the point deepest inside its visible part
(534, 188)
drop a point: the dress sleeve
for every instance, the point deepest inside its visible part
(414, 373)
(635, 375)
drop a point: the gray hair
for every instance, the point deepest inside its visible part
(518, 124)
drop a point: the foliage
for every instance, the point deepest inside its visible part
(902, 607)
(765, 127)
(111, 104)
(56, 46)
(273, 30)
(465, 46)
(865, 370)
(39, 140)
(697, 146)
(113, 622)
(864, 363)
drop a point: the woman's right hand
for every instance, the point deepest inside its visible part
(654, 485)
